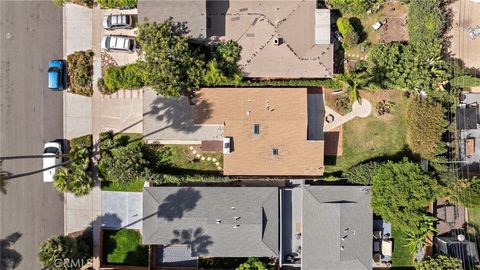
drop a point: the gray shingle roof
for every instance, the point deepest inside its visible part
(337, 228)
(188, 215)
(191, 12)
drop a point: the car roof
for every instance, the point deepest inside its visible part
(55, 63)
(53, 79)
(119, 19)
(118, 42)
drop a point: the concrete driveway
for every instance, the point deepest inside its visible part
(122, 210)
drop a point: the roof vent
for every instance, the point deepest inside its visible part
(236, 218)
(236, 226)
(277, 41)
(233, 207)
(219, 221)
(461, 237)
(342, 248)
(248, 112)
(345, 237)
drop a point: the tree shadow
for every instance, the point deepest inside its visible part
(10, 258)
(176, 204)
(357, 25)
(196, 238)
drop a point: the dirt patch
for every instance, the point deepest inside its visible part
(393, 29)
(337, 100)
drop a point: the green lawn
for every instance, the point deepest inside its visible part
(182, 160)
(401, 256)
(136, 186)
(474, 216)
(374, 137)
(124, 247)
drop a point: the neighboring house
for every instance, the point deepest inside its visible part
(279, 39)
(458, 247)
(273, 131)
(315, 227)
(467, 118)
(213, 221)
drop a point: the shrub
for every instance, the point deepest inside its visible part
(252, 264)
(117, 3)
(470, 194)
(186, 178)
(465, 81)
(328, 83)
(214, 76)
(227, 55)
(349, 35)
(75, 177)
(353, 6)
(440, 262)
(81, 142)
(80, 71)
(362, 173)
(425, 127)
(62, 249)
(121, 77)
(384, 107)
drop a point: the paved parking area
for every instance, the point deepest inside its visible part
(465, 15)
(122, 210)
(122, 58)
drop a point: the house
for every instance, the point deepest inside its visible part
(459, 247)
(212, 221)
(313, 227)
(467, 119)
(279, 39)
(273, 131)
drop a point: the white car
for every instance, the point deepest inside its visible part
(118, 44)
(51, 149)
(117, 21)
(226, 145)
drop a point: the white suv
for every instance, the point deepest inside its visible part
(118, 44)
(51, 149)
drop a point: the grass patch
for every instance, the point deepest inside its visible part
(182, 160)
(374, 137)
(401, 256)
(135, 186)
(124, 247)
(474, 216)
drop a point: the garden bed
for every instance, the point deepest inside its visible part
(80, 71)
(374, 137)
(124, 247)
(184, 160)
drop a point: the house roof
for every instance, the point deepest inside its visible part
(467, 117)
(337, 228)
(466, 250)
(282, 116)
(302, 53)
(181, 215)
(190, 12)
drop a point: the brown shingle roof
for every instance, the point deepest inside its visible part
(282, 114)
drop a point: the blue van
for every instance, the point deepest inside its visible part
(57, 79)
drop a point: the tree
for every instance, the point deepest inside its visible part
(349, 35)
(63, 253)
(440, 262)
(76, 176)
(252, 264)
(426, 21)
(123, 164)
(425, 127)
(426, 227)
(353, 82)
(170, 66)
(401, 193)
(362, 173)
(227, 55)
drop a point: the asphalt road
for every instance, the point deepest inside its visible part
(31, 34)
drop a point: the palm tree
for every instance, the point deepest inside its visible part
(354, 82)
(75, 177)
(416, 240)
(63, 252)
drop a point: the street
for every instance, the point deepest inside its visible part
(31, 34)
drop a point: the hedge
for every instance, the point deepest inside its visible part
(121, 77)
(117, 3)
(350, 36)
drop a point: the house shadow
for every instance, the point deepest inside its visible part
(10, 258)
(178, 114)
(197, 239)
(216, 17)
(175, 205)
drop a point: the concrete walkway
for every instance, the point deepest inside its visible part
(358, 110)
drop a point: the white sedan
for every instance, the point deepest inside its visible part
(49, 150)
